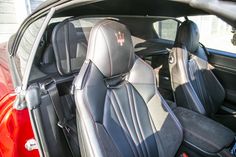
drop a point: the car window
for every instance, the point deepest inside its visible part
(26, 44)
(214, 32)
(166, 29)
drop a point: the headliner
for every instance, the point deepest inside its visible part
(128, 7)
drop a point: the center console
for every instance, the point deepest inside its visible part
(203, 136)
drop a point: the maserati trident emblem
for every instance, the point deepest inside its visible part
(120, 38)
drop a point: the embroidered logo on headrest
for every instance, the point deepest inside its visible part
(120, 38)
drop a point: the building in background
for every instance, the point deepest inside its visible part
(12, 14)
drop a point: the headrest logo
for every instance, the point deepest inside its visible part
(120, 38)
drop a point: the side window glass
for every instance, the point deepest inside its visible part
(166, 29)
(26, 44)
(215, 33)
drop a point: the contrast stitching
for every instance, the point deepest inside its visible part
(139, 127)
(123, 123)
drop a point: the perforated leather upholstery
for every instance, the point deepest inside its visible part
(195, 86)
(120, 111)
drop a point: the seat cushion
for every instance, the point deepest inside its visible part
(202, 132)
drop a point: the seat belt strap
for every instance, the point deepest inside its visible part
(54, 96)
(62, 121)
(204, 48)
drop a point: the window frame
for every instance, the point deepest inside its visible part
(20, 83)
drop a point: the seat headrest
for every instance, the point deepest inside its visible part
(188, 35)
(110, 48)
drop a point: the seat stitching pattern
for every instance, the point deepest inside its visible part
(123, 123)
(132, 114)
(193, 94)
(194, 72)
(139, 125)
(156, 135)
(208, 96)
(198, 86)
(156, 92)
(136, 126)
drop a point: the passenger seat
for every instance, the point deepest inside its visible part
(194, 84)
(120, 111)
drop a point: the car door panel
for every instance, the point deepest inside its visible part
(225, 70)
(224, 64)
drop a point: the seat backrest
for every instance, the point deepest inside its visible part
(69, 48)
(120, 111)
(194, 84)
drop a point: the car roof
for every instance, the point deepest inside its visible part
(171, 8)
(128, 7)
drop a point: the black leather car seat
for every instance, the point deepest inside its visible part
(120, 111)
(194, 84)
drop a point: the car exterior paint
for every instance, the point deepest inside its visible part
(15, 126)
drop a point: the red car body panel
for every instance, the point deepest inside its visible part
(15, 126)
(6, 85)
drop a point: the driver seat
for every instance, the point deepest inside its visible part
(120, 112)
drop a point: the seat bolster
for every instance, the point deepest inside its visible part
(165, 122)
(162, 116)
(208, 88)
(185, 94)
(215, 90)
(186, 97)
(178, 64)
(88, 113)
(88, 136)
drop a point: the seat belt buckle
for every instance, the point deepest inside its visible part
(46, 84)
(63, 126)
